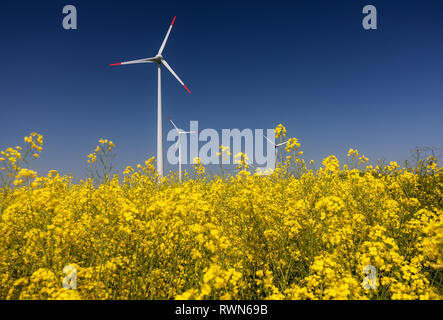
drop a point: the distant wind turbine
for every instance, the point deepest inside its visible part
(276, 146)
(160, 61)
(179, 133)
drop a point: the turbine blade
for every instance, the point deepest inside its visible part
(174, 74)
(177, 143)
(280, 144)
(146, 60)
(269, 140)
(166, 37)
(173, 124)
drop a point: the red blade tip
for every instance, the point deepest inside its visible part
(115, 64)
(173, 21)
(169, 117)
(186, 88)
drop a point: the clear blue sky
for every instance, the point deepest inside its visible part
(249, 64)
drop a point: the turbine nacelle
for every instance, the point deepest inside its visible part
(158, 58)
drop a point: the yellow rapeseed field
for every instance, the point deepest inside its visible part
(297, 233)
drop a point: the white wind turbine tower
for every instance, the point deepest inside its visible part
(179, 133)
(276, 146)
(160, 61)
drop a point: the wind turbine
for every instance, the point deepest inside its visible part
(276, 146)
(179, 132)
(158, 58)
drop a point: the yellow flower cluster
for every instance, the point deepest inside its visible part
(308, 235)
(106, 144)
(12, 156)
(353, 154)
(37, 143)
(198, 166)
(292, 143)
(105, 147)
(92, 158)
(24, 174)
(224, 151)
(280, 131)
(241, 160)
(12, 161)
(102, 156)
